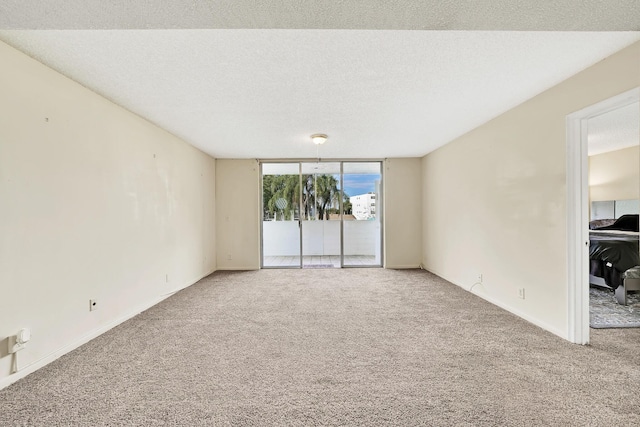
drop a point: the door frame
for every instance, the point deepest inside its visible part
(578, 211)
(300, 161)
(261, 213)
(303, 221)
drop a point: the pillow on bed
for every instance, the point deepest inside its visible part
(597, 223)
(627, 222)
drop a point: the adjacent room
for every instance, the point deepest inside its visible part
(317, 213)
(614, 189)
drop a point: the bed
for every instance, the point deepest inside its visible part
(613, 250)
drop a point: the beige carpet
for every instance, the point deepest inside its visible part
(359, 347)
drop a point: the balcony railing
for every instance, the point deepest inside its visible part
(321, 243)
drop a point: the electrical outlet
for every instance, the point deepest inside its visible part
(166, 278)
(521, 293)
(480, 278)
(14, 345)
(93, 305)
(229, 257)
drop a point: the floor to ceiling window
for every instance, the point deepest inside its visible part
(321, 214)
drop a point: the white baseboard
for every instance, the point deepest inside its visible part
(34, 366)
(510, 309)
(402, 267)
(525, 316)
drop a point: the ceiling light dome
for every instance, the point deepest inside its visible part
(319, 138)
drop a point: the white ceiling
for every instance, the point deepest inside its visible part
(232, 85)
(614, 130)
(518, 15)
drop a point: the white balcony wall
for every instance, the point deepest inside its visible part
(281, 238)
(321, 237)
(362, 238)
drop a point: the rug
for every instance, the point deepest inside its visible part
(605, 312)
(318, 266)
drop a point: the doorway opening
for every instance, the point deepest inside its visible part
(578, 211)
(321, 214)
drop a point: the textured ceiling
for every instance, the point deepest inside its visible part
(260, 93)
(521, 15)
(615, 130)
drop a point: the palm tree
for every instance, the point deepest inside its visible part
(327, 193)
(279, 188)
(308, 196)
(319, 194)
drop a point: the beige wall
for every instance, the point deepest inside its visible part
(615, 175)
(403, 212)
(238, 214)
(97, 203)
(494, 200)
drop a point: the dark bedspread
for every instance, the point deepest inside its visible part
(610, 256)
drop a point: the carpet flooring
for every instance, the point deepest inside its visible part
(605, 312)
(340, 347)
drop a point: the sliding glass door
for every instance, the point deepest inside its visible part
(321, 195)
(281, 215)
(321, 214)
(362, 230)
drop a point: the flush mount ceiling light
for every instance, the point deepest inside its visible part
(319, 138)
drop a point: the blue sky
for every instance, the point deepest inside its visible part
(355, 184)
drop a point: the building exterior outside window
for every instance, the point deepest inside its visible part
(363, 206)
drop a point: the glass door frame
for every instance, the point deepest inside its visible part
(379, 213)
(379, 209)
(262, 201)
(329, 229)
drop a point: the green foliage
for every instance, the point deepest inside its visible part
(320, 196)
(275, 187)
(326, 188)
